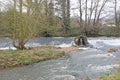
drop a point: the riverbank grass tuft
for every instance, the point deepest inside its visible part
(115, 76)
(10, 58)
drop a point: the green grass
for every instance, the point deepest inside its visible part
(115, 76)
(15, 58)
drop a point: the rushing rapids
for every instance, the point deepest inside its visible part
(84, 62)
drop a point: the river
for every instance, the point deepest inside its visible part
(91, 62)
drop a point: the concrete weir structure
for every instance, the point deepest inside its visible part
(81, 40)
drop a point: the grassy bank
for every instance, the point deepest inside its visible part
(115, 76)
(10, 58)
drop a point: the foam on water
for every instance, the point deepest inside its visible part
(100, 55)
(65, 45)
(83, 48)
(65, 42)
(102, 68)
(32, 45)
(63, 77)
(98, 43)
(8, 48)
(114, 42)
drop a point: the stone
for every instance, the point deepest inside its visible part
(81, 40)
(112, 50)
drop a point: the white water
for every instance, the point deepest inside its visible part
(63, 77)
(98, 43)
(7, 48)
(105, 68)
(87, 61)
(60, 42)
(65, 45)
(100, 55)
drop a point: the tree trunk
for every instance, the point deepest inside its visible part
(68, 15)
(51, 13)
(80, 12)
(86, 16)
(64, 16)
(115, 9)
(14, 24)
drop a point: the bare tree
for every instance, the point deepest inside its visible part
(80, 13)
(24, 29)
(86, 12)
(64, 11)
(115, 9)
(68, 14)
(92, 16)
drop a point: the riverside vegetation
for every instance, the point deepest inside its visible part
(16, 58)
(114, 76)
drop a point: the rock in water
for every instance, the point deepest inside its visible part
(112, 50)
(81, 40)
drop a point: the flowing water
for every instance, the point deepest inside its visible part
(84, 62)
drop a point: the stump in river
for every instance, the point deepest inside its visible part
(81, 40)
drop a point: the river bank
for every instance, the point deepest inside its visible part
(18, 58)
(113, 76)
(82, 63)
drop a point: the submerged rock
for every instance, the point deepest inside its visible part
(112, 50)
